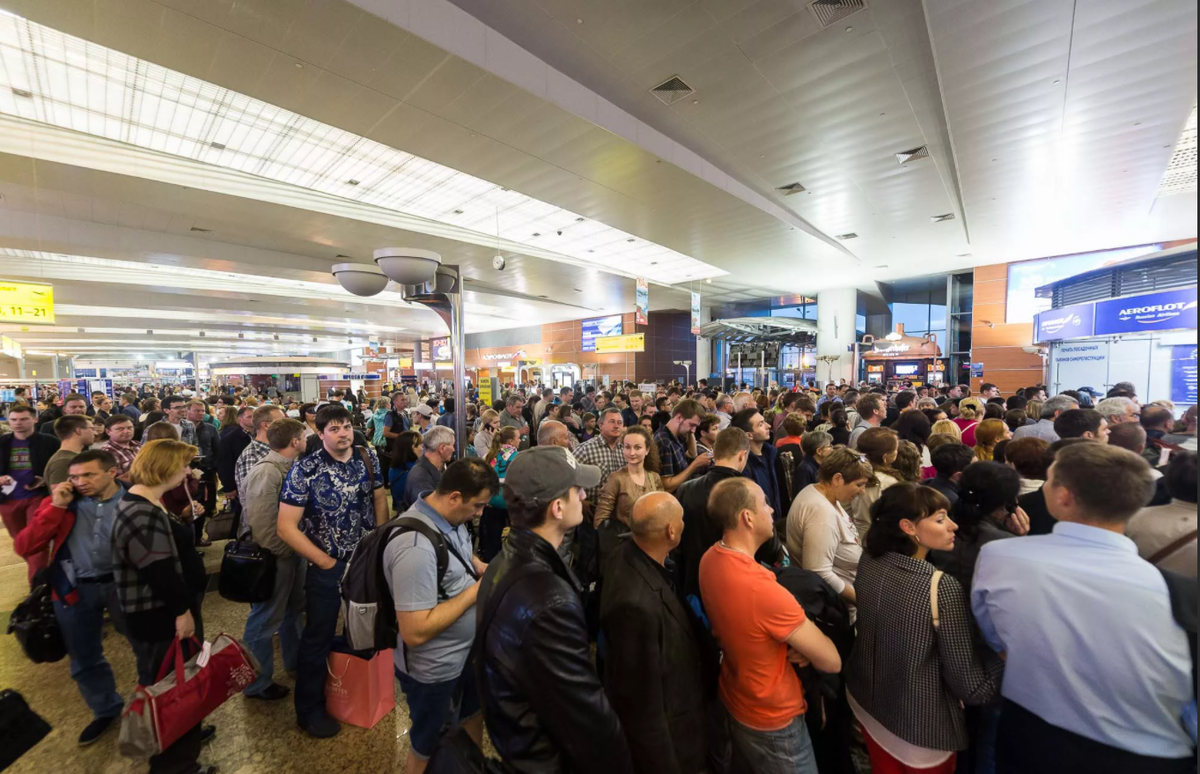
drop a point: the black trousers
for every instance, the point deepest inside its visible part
(1026, 744)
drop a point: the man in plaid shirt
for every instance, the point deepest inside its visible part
(120, 444)
(603, 451)
(672, 439)
(258, 448)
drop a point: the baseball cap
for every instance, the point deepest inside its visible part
(423, 410)
(544, 473)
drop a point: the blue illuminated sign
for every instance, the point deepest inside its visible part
(1163, 311)
(599, 326)
(1069, 322)
(1183, 374)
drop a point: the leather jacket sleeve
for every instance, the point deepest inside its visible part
(567, 695)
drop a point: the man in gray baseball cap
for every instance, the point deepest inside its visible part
(544, 705)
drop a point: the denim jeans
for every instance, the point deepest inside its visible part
(281, 613)
(82, 626)
(785, 751)
(322, 591)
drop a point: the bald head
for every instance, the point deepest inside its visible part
(551, 432)
(657, 522)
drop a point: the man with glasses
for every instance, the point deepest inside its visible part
(176, 407)
(1118, 411)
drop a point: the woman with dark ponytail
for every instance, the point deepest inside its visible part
(986, 510)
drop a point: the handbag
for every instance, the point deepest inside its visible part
(223, 524)
(156, 716)
(247, 572)
(360, 689)
(20, 727)
(36, 626)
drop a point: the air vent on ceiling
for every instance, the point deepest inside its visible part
(942, 218)
(830, 12)
(217, 145)
(1180, 176)
(672, 90)
(845, 237)
(22, 93)
(199, 230)
(915, 154)
(791, 189)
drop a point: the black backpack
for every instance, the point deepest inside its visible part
(368, 609)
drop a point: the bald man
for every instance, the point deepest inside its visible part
(551, 432)
(653, 669)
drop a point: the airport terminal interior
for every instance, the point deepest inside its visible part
(811, 386)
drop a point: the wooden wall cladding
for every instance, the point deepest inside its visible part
(997, 344)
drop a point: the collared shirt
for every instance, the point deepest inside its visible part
(723, 419)
(1090, 641)
(337, 498)
(1043, 428)
(672, 455)
(608, 458)
(90, 541)
(122, 454)
(187, 431)
(250, 457)
(410, 569)
(260, 491)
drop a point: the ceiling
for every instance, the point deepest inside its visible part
(1049, 127)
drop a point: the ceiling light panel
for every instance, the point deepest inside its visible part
(1180, 176)
(78, 85)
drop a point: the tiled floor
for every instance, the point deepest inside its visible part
(252, 737)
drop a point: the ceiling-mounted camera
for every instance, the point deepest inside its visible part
(498, 263)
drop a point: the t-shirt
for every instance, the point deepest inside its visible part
(20, 468)
(752, 617)
(410, 567)
(58, 466)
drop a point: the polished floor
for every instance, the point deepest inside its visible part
(252, 737)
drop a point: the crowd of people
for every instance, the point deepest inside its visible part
(674, 581)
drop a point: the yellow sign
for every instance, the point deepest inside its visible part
(26, 302)
(630, 342)
(485, 392)
(404, 362)
(532, 361)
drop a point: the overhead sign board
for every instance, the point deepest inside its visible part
(26, 302)
(1170, 309)
(1069, 322)
(596, 327)
(1183, 374)
(631, 342)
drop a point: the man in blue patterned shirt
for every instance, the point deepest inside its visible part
(329, 500)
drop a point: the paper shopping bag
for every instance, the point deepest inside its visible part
(360, 689)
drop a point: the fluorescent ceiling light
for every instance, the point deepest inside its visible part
(78, 85)
(225, 317)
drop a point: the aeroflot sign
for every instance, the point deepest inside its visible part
(1168, 310)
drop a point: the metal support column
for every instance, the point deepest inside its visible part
(443, 294)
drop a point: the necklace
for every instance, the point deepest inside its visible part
(731, 548)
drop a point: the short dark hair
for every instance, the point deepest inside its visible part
(105, 458)
(869, 404)
(21, 408)
(171, 400)
(728, 499)
(1073, 423)
(1181, 476)
(1030, 456)
(66, 426)
(117, 419)
(1154, 417)
(730, 443)
(900, 501)
(687, 408)
(1111, 484)
(282, 432)
(951, 458)
(469, 477)
(1018, 401)
(72, 397)
(1128, 435)
(334, 412)
(986, 386)
(741, 420)
(904, 399)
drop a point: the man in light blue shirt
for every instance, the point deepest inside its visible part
(1098, 672)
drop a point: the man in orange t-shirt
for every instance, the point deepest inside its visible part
(760, 628)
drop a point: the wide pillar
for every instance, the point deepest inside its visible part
(836, 312)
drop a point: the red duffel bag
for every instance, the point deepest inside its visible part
(157, 715)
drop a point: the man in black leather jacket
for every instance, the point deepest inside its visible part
(545, 709)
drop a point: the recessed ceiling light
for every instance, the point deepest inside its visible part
(299, 65)
(849, 29)
(695, 102)
(579, 21)
(708, 281)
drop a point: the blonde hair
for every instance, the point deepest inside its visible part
(1033, 410)
(488, 416)
(946, 427)
(970, 408)
(158, 461)
(987, 435)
